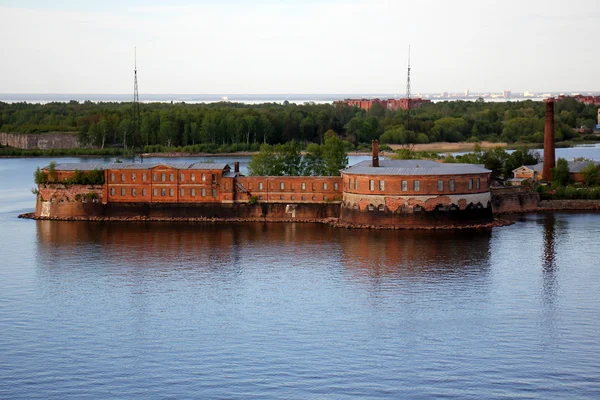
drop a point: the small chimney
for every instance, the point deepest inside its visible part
(236, 166)
(375, 149)
(549, 156)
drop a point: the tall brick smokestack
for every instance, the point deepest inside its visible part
(236, 166)
(375, 149)
(549, 156)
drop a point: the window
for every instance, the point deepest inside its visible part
(162, 177)
(112, 191)
(260, 186)
(382, 185)
(203, 192)
(325, 186)
(203, 177)
(154, 177)
(477, 183)
(122, 177)
(214, 193)
(313, 187)
(303, 186)
(213, 178)
(122, 191)
(440, 185)
(293, 197)
(281, 185)
(143, 177)
(280, 197)
(181, 177)
(193, 192)
(144, 192)
(314, 197)
(404, 186)
(133, 176)
(355, 183)
(112, 176)
(336, 186)
(303, 197)
(193, 177)
(471, 184)
(226, 186)
(417, 186)
(171, 177)
(163, 192)
(325, 198)
(171, 192)
(133, 192)
(182, 192)
(155, 192)
(371, 184)
(451, 185)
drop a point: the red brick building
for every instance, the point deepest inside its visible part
(387, 193)
(389, 104)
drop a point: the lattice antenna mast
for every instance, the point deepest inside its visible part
(135, 113)
(408, 95)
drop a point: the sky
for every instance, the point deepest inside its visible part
(311, 46)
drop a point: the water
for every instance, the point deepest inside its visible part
(294, 311)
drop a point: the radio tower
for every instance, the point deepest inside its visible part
(408, 91)
(135, 112)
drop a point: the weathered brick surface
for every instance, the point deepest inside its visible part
(514, 200)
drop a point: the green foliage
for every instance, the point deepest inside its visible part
(230, 127)
(590, 174)
(409, 154)
(40, 177)
(560, 173)
(569, 193)
(334, 155)
(253, 200)
(319, 160)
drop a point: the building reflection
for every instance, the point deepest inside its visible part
(361, 253)
(416, 253)
(549, 265)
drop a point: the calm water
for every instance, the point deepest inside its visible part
(294, 311)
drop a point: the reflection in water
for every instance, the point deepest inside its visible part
(549, 265)
(366, 254)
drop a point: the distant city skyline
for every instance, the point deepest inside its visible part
(298, 47)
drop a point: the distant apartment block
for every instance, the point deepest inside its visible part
(389, 104)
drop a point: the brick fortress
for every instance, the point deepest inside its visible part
(387, 193)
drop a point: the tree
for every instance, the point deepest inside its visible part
(334, 153)
(560, 173)
(589, 174)
(313, 158)
(450, 129)
(291, 158)
(266, 162)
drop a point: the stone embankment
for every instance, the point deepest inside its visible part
(334, 222)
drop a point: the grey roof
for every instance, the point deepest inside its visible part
(92, 166)
(574, 166)
(414, 167)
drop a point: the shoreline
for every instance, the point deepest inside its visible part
(333, 222)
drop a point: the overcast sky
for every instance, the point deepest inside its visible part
(324, 46)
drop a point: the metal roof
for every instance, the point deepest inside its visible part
(414, 167)
(574, 166)
(93, 166)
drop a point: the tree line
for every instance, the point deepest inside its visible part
(235, 126)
